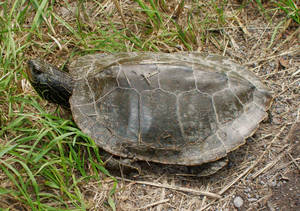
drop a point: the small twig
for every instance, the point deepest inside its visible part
(153, 204)
(233, 42)
(193, 191)
(4, 76)
(128, 81)
(241, 175)
(294, 161)
(286, 164)
(295, 33)
(234, 27)
(287, 88)
(267, 167)
(146, 79)
(120, 12)
(234, 181)
(226, 45)
(266, 76)
(204, 198)
(273, 57)
(270, 165)
(172, 15)
(179, 9)
(275, 138)
(270, 205)
(244, 29)
(56, 41)
(296, 73)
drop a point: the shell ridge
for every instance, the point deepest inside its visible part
(194, 74)
(234, 94)
(215, 111)
(221, 140)
(92, 93)
(118, 76)
(107, 93)
(91, 69)
(158, 76)
(179, 117)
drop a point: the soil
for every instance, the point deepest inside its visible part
(286, 193)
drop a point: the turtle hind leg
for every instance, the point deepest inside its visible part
(203, 170)
(208, 169)
(120, 164)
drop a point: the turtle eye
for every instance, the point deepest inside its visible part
(34, 66)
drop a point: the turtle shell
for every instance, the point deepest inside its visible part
(182, 108)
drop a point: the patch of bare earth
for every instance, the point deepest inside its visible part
(286, 185)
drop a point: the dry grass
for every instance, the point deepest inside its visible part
(266, 41)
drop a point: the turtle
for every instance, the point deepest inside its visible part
(184, 108)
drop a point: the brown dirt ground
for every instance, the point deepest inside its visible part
(265, 171)
(286, 193)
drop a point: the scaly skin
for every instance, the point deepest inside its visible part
(49, 82)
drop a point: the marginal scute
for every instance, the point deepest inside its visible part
(181, 108)
(210, 148)
(246, 123)
(87, 109)
(102, 136)
(230, 137)
(262, 98)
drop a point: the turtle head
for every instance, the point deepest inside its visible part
(49, 82)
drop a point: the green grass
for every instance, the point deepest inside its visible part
(45, 160)
(53, 154)
(290, 8)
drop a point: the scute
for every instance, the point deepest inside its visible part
(139, 77)
(211, 82)
(199, 117)
(242, 88)
(121, 105)
(227, 106)
(158, 122)
(170, 78)
(182, 108)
